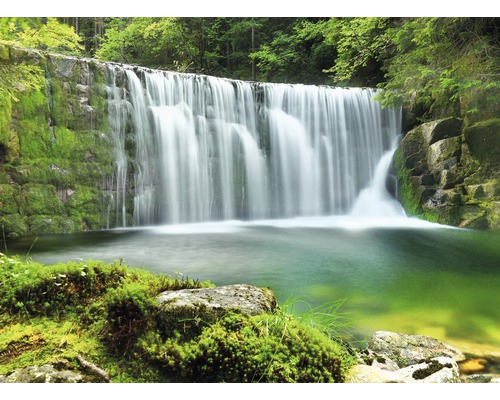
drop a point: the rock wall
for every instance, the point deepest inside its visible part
(450, 173)
(56, 162)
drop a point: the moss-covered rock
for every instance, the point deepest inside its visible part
(483, 139)
(450, 176)
(108, 313)
(55, 149)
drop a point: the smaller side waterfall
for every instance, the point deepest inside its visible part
(375, 201)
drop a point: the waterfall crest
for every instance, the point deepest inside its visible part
(194, 148)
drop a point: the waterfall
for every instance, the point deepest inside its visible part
(194, 148)
(375, 201)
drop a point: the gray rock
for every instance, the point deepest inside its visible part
(43, 374)
(244, 298)
(441, 129)
(435, 370)
(480, 378)
(64, 65)
(443, 150)
(189, 310)
(408, 350)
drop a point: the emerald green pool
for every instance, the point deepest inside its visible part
(412, 278)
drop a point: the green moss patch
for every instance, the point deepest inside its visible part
(108, 314)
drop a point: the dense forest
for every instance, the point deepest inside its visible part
(445, 66)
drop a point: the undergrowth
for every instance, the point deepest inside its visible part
(108, 314)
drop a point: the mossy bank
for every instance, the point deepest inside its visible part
(106, 316)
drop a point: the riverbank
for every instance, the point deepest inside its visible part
(78, 318)
(96, 322)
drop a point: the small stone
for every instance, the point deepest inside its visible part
(43, 374)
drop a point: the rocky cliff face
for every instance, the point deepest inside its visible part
(450, 173)
(56, 162)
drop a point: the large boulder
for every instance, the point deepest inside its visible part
(400, 358)
(441, 129)
(408, 350)
(451, 175)
(189, 309)
(483, 139)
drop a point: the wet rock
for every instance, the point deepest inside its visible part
(434, 370)
(408, 350)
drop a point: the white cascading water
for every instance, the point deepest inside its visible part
(197, 148)
(375, 201)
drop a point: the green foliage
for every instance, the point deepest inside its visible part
(148, 41)
(130, 309)
(442, 64)
(32, 289)
(108, 313)
(41, 33)
(360, 43)
(15, 79)
(241, 348)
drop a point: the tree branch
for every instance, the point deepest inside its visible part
(94, 368)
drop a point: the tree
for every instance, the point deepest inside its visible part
(451, 65)
(40, 33)
(445, 66)
(297, 53)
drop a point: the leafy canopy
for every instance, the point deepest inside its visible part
(36, 33)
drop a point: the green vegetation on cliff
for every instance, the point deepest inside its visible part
(107, 314)
(55, 150)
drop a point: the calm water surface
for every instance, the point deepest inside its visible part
(415, 278)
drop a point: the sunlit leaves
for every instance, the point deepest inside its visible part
(53, 36)
(35, 33)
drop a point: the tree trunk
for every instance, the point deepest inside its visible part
(254, 77)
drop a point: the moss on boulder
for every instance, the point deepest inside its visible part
(55, 150)
(449, 175)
